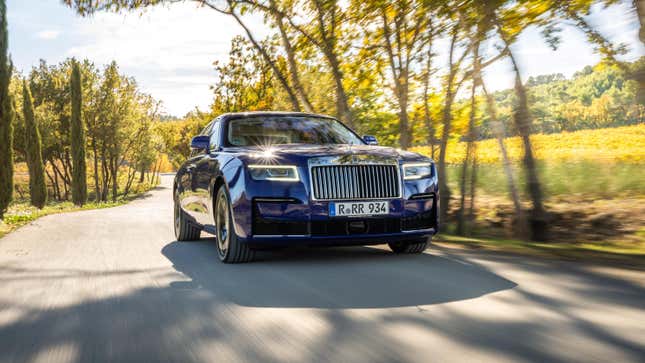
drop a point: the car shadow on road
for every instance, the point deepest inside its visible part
(350, 277)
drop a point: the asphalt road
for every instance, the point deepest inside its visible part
(114, 285)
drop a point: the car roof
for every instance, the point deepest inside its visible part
(235, 115)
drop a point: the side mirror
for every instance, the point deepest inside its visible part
(370, 140)
(201, 142)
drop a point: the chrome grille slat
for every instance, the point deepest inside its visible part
(330, 182)
(314, 180)
(364, 181)
(387, 181)
(355, 188)
(334, 181)
(346, 187)
(325, 183)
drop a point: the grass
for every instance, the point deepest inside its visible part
(610, 252)
(582, 178)
(593, 182)
(602, 163)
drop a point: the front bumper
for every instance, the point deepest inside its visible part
(267, 213)
(350, 240)
(280, 222)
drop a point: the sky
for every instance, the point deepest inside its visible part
(170, 49)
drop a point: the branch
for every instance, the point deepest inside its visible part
(502, 53)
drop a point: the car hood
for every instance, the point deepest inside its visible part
(301, 153)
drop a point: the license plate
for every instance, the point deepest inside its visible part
(350, 209)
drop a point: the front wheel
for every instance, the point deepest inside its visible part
(229, 248)
(409, 247)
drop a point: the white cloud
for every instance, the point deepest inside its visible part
(170, 49)
(48, 34)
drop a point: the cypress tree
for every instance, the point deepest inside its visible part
(6, 116)
(79, 169)
(33, 147)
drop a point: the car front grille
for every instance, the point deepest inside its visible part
(337, 182)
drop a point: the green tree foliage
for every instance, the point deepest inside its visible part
(175, 136)
(115, 117)
(594, 97)
(132, 148)
(79, 169)
(371, 64)
(245, 82)
(6, 116)
(49, 85)
(33, 150)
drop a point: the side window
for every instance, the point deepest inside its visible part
(215, 139)
(207, 129)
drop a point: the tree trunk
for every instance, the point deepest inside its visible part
(469, 151)
(115, 171)
(426, 106)
(142, 173)
(473, 181)
(54, 183)
(291, 62)
(67, 170)
(342, 104)
(444, 190)
(404, 128)
(58, 173)
(132, 172)
(106, 174)
(522, 118)
(444, 196)
(97, 187)
(50, 192)
(498, 129)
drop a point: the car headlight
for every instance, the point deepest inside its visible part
(274, 172)
(416, 171)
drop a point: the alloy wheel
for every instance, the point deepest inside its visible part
(177, 215)
(222, 225)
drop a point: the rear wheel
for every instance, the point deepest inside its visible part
(409, 247)
(184, 229)
(229, 248)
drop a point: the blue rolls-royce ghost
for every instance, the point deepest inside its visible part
(261, 180)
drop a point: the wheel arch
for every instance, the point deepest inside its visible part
(215, 185)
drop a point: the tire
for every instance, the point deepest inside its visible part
(409, 247)
(229, 248)
(184, 229)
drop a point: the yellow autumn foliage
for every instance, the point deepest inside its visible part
(609, 145)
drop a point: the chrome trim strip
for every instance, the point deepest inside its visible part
(281, 235)
(417, 230)
(276, 200)
(423, 196)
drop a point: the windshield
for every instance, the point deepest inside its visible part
(276, 130)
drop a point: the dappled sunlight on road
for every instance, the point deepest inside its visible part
(125, 290)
